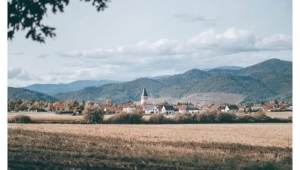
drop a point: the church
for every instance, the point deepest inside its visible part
(144, 97)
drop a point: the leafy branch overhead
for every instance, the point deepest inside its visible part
(26, 15)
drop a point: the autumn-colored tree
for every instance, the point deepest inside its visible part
(50, 107)
(70, 105)
(92, 113)
(108, 102)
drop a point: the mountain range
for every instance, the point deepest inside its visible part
(25, 94)
(62, 88)
(265, 81)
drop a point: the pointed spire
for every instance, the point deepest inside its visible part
(144, 93)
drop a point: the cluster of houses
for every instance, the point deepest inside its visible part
(149, 108)
(145, 106)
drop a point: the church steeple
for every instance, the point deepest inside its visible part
(144, 93)
(144, 97)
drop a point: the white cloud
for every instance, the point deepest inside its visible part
(209, 49)
(163, 55)
(232, 40)
(185, 17)
(275, 42)
(18, 73)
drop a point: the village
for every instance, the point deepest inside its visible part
(145, 106)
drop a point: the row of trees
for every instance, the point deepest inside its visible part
(26, 105)
(32, 105)
(208, 116)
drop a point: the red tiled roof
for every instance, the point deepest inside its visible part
(159, 108)
(182, 107)
(58, 105)
(210, 105)
(119, 108)
(110, 109)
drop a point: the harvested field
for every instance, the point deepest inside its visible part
(206, 146)
(48, 117)
(279, 114)
(278, 135)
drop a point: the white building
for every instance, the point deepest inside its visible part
(144, 97)
(193, 110)
(151, 109)
(129, 109)
(231, 108)
(168, 110)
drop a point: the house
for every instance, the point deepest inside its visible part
(58, 106)
(208, 106)
(221, 108)
(255, 108)
(119, 109)
(241, 108)
(193, 110)
(109, 109)
(150, 108)
(159, 107)
(290, 108)
(128, 108)
(139, 109)
(168, 110)
(231, 108)
(272, 106)
(182, 108)
(190, 109)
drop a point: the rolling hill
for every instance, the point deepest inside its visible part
(187, 77)
(269, 66)
(250, 87)
(121, 92)
(268, 80)
(25, 94)
(62, 88)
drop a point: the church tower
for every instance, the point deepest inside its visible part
(144, 97)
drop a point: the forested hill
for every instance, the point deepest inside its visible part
(25, 94)
(269, 66)
(73, 86)
(268, 80)
(271, 79)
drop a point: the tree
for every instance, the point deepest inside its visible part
(70, 105)
(50, 107)
(108, 102)
(248, 104)
(92, 113)
(28, 14)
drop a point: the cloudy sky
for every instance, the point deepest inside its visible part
(149, 38)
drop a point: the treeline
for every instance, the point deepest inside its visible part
(67, 107)
(207, 116)
(92, 114)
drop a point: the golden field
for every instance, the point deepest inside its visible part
(279, 114)
(278, 135)
(50, 117)
(201, 146)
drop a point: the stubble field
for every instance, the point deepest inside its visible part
(202, 146)
(50, 117)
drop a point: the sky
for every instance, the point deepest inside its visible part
(132, 39)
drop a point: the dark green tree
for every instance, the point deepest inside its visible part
(26, 15)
